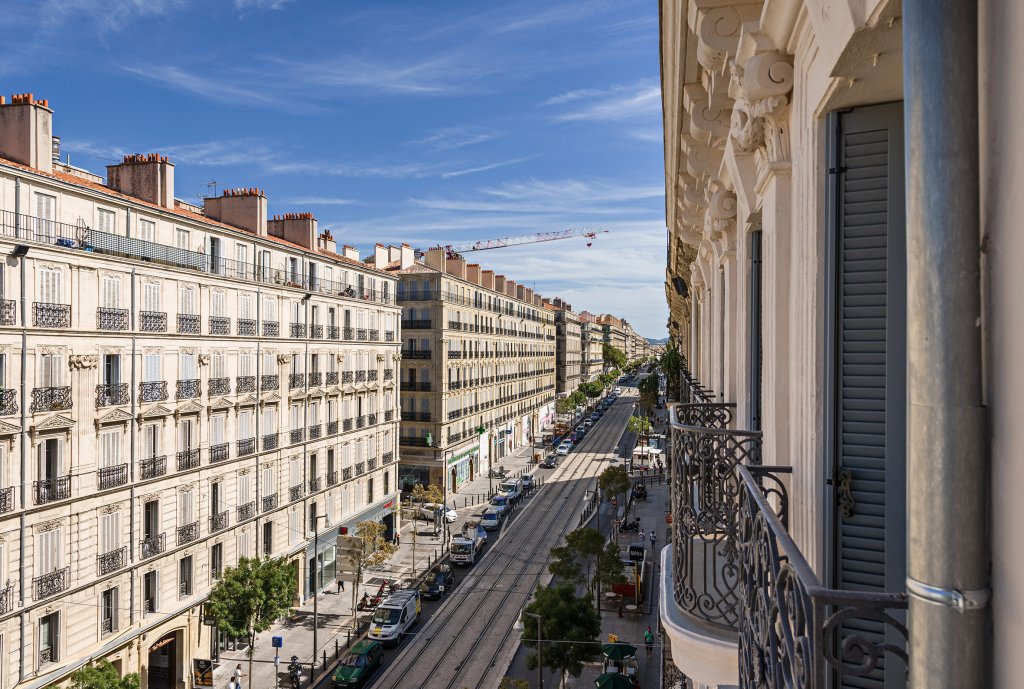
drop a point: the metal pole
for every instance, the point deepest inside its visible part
(540, 665)
(316, 597)
(949, 548)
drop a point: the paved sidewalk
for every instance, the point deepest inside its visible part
(336, 623)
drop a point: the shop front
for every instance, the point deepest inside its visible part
(463, 465)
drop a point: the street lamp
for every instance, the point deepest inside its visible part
(316, 577)
(540, 667)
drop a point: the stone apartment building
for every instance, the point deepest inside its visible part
(180, 386)
(844, 281)
(478, 366)
(569, 344)
(591, 350)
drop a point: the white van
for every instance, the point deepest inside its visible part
(513, 487)
(395, 616)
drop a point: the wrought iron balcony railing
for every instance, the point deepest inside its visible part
(298, 331)
(51, 399)
(794, 632)
(415, 416)
(52, 583)
(154, 391)
(332, 377)
(371, 375)
(346, 474)
(218, 386)
(112, 477)
(296, 380)
(188, 459)
(153, 321)
(6, 499)
(245, 512)
(316, 332)
(269, 502)
(315, 484)
(333, 332)
(374, 335)
(220, 325)
(246, 327)
(361, 334)
(295, 493)
(371, 464)
(332, 428)
(360, 468)
(413, 442)
(245, 384)
(188, 533)
(153, 467)
(8, 402)
(268, 383)
(296, 435)
(108, 395)
(219, 452)
(51, 315)
(220, 521)
(389, 415)
(111, 319)
(360, 376)
(153, 545)
(270, 441)
(349, 333)
(389, 374)
(246, 446)
(388, 457)
(316, 379)
(360, 422)
(315, 431)
(416, 353)
(348, 376)
(417, 324)
(187, 389)
(8, 311)
(371, 419)
(271, 328)
(112, 561)
(389, 335)
(332, 478)
(188, 324)
(51, 490)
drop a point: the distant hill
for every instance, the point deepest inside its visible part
(653, 341)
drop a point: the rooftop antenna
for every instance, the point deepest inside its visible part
(212, 184)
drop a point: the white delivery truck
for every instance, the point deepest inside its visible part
(466, 547)
(395, 616)
(512, 487)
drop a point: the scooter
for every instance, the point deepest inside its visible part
(629, 526)
(295, 672)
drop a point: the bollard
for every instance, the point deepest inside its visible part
(336, 650)
(348, 637)
(325, 658)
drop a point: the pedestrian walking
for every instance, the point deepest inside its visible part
(649, 641)
(237, 676)
(341, 586)
(398, 538)
(642, 536)
(653, 539)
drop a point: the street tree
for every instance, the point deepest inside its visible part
(250, 597)
(614, 481)
(648, 391)
(102, 675)
(575, 560)
(513, 683)
(571, 621)
(564, 405)
(640, 425)
(608, 567)
(613, 355)
(592, 389)
(430, 493)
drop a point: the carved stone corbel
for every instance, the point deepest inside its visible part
(761, 86)
(77, 362)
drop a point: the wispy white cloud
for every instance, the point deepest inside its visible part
(635, 101)
(485, 168)
(450, 138)
(220, 90)
(106, 16)
(322, 201)
(255, 5)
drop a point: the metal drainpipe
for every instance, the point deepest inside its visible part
(23, 444)
(256, 409)
(132, 453)
(948, 540)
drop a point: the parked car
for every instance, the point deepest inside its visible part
(563, 450)
(499, 503)
(429, 509)
(551, 461)
(617, 391)
(437, 583)
(527, 480)
(359, 663)
(490, 520)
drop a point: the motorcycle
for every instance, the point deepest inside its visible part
(295, 672)
(629, 526)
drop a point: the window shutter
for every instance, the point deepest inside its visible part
(217, 304)
(110, 449)
(294, 473)
(868, 542)
(110, 532)
(147, 230)
(186, 508)
(217, 365)
(217, 430)
(268, 482)
(245, 306)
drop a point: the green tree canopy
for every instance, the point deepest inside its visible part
(572, 621)
(613, 355)
(614, 480)
(430, 493)
(575, 561)
(102, 675)
(593, 389)
(250, 597)
(640, 425)
(649, 390)
(376, 549)
(608, 566)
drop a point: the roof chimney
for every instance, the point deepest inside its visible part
(245, 209)
(26, 131)
(456, 267)
(435, 258)
(408, 256)
(499, 283)
(147, 177)
(297, 228)
(326, 242)
(487, 279)
(473, 273)
(350, 252)
(380, 257)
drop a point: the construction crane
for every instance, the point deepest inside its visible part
(456, 250)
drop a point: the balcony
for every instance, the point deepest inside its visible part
(8, 311)
(6, 499)
(51, 490)
(389, 335)
(153, 321)
(360, 422)
(295, 493)
(332, 428)
(296, 435)
(371, 419)
(332, 377)
(153, 546)
(112, 561)
(219, 325)
(346, 425)
(315, 484)
(111, 319)
(454, 354)
(8, 402)
(271, 328)
(269, 502)
(51, 584)
(360, 468)
(362, 334)
(298, 331)
(316, 379)
(413, 442)
(296, 380)
(415, 416)
(416, 353)
(454, 414)
(153, 467)
(389, 415)
(346, 474)
(188, 324)
(188, 459)
(269, 383)
(154, 391)
(245, 512)
(371, 464)
(418, 324)
(245, 384)
(316, 332)
(246, 446)
(188, 533)
(360, 376)
(371, 376)
(270, 441)
(348, 376)
(332, 478)
(109, 395)
(245, 327)
(218, 386)
(349, 334)
(388, 457)
(219, 521)
(51, 315)
(315, 431)
(333, 332)
(389, 374)
(112, 477)
(51, 399)
(219, 452)
(187, 389)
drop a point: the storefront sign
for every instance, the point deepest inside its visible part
(202, 673)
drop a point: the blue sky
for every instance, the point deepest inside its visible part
(423, 121)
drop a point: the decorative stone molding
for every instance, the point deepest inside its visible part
(204, 359)
(282, 359)
(720, 217)
(78, 362)
(761, 85)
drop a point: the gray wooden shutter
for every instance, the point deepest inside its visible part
(868, 473)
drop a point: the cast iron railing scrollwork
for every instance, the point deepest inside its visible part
(53, 583)
(111, 319)
(51, 399)
(112, 561)
(45, 315)
(153, 467)
(8, 311)
(793, 632)
(153, 391)
(269, 502)
(245, 384)
(107, 395)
